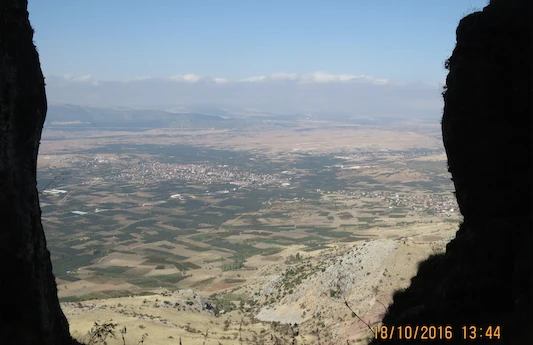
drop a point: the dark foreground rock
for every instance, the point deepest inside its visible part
(29, 307)
(484, 278)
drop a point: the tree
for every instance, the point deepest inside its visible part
(29, 309)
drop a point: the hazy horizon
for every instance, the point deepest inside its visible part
(380, 58)
(316, 93)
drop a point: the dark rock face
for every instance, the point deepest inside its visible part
(29, 307)
(484, 278)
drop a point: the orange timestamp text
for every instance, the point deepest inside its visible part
(435, 332)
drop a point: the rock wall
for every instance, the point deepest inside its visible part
(484, 278)
(29, 307)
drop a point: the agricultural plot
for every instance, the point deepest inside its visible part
(159, 215)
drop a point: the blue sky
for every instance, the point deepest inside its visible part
(118, 39)
(94, 52)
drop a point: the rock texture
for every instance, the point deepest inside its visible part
(484, 278)
(29, 308)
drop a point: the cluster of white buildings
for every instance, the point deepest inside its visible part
(202, 173)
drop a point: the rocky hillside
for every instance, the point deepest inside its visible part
(315, 295)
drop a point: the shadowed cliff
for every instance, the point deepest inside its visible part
(484, 278)
(29, 308)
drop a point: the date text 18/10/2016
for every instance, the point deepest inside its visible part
(470, 332)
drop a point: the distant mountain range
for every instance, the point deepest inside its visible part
(76, 117)
(66, 115)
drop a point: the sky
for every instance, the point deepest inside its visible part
(235, 44)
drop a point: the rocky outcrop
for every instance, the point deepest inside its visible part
(484, 278)
(29, 307)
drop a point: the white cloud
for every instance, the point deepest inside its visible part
(140, 78)
(253, 79)
(189, 78)
(221, 80)
(321, 77)
(83, 78)
(324, 77)
(315, 77)
(346, 77)
(283, 76)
